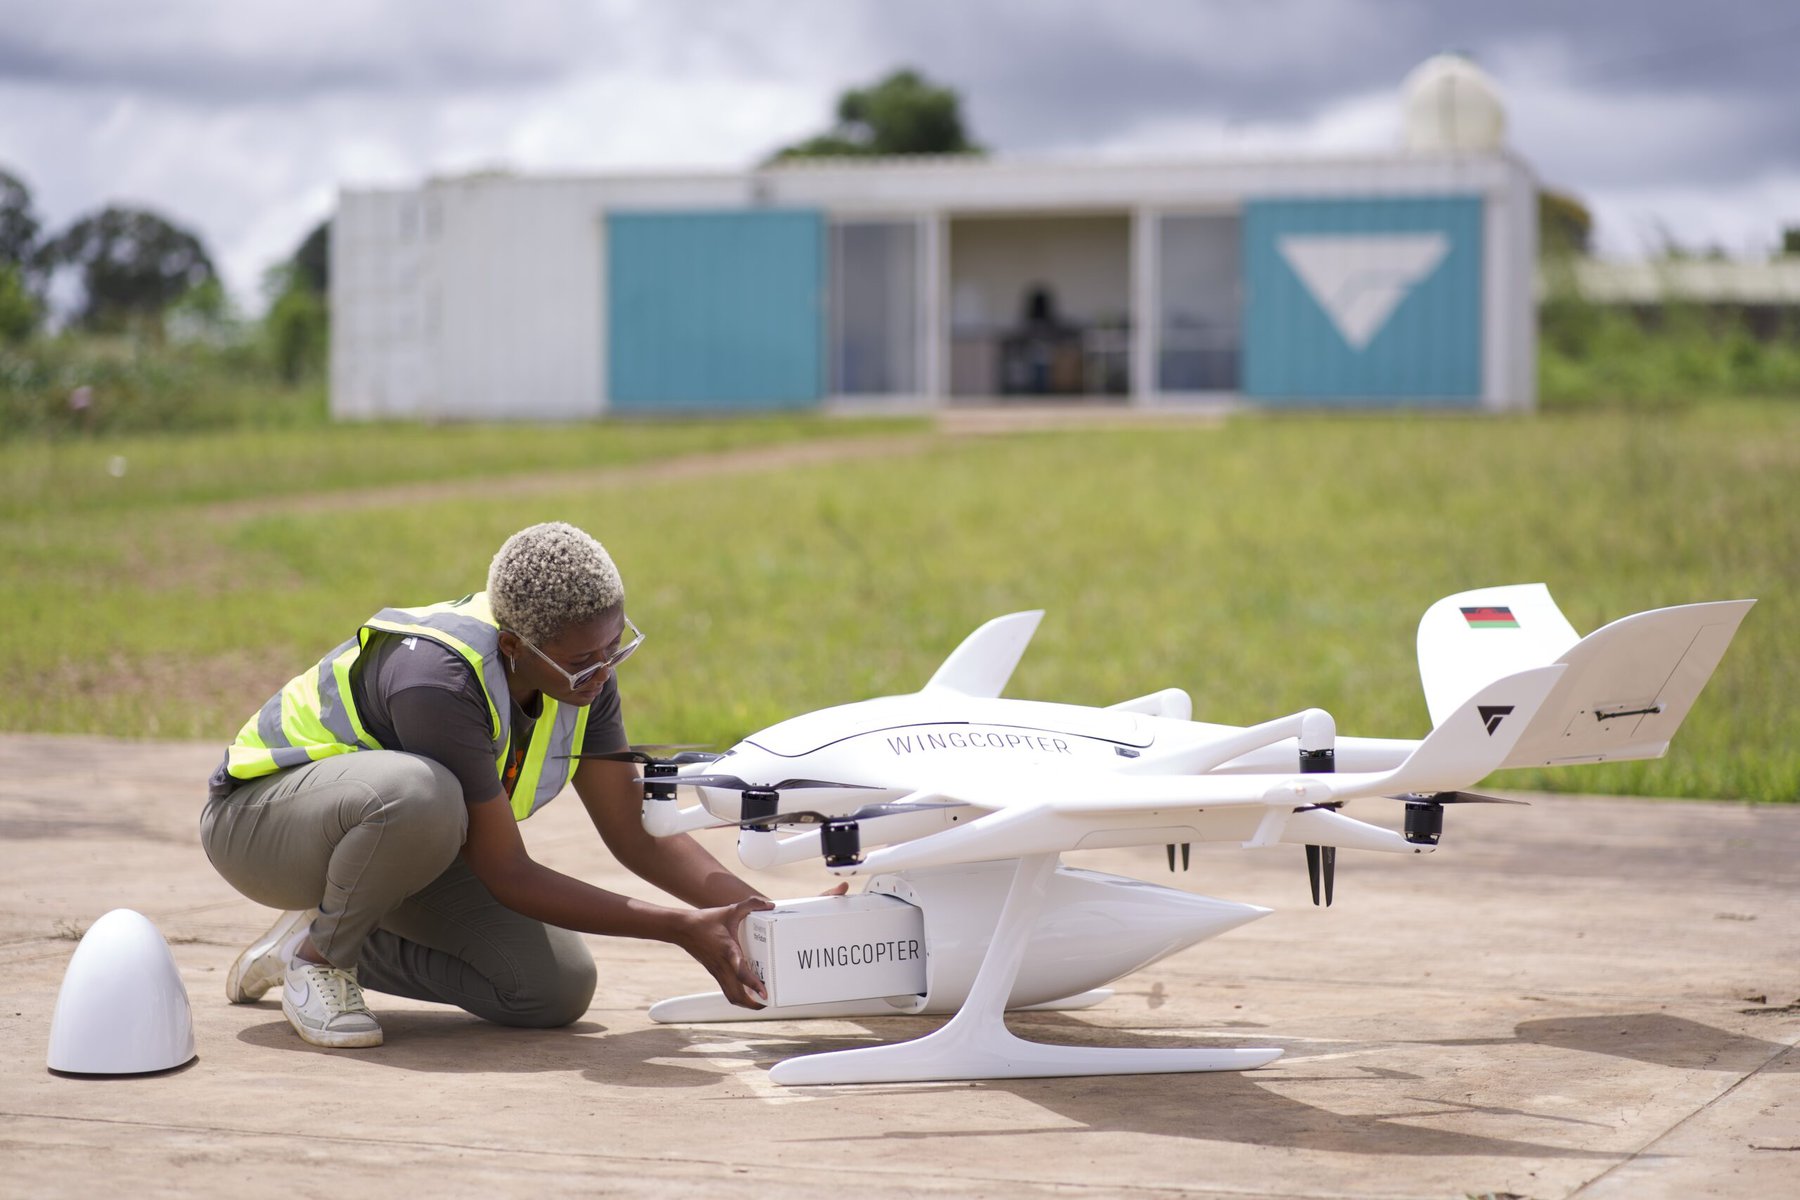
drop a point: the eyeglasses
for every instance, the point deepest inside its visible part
(578, 678)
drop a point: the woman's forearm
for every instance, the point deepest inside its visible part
(536, 891)
(685, 869)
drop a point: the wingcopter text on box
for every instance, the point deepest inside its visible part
(838, 948)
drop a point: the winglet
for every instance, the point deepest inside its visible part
(1477, 737)
(985, 660)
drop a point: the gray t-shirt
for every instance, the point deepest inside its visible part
(416, 695)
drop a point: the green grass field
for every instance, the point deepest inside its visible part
(1265, 565)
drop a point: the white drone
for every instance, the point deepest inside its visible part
(958, 803)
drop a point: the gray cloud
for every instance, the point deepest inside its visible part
(1051, 74)
(212, 53)
(243, 118)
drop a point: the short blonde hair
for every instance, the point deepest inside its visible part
(550, 576)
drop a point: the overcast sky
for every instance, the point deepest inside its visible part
(241, 118)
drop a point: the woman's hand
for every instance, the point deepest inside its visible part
(711, 936)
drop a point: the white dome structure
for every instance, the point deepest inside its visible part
(1452, 107)
(123, 1009)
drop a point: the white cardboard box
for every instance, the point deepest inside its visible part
(838, 948)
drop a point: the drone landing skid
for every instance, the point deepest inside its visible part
(986, 1049)
(976, 1043)
(708, 1008)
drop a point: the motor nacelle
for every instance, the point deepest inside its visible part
(654, 771)
(1424, 822)
(841, 840)
(759, 808)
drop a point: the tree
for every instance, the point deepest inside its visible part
(903, 114)
(312, 260)
(18, 225)
(1565, 227)
(19, 309)
(133, 264)
(203, 313)
(298, 329)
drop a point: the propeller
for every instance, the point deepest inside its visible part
(1321, 866)
(1454, 798)
(731, 783)
(1424, 826)
(684, 755)
(867, 812)
(757, 802)
(839, 837)
(1425, 812)
(658, 772)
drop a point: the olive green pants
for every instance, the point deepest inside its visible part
(372, 840)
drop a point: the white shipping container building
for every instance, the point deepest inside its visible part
(914, 283)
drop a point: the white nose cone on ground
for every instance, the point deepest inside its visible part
(123, 1009)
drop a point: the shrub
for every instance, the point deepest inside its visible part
(19, 309)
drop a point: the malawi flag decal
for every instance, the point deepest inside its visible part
(1490, 616)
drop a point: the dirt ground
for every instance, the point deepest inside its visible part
(1589, 997)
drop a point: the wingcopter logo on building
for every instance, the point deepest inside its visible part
(1360, 279)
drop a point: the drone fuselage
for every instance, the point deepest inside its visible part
(934, 744)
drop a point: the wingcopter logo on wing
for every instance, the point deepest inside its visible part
(1360, 279)
(1493, 714)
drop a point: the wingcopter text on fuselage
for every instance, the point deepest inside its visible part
(976, 737)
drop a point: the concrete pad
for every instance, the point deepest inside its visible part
(1592, 997)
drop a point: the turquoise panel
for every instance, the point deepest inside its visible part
(715, 310)
(1363, 301)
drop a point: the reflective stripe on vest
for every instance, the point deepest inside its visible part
(308, 719)
(558, 731)
(314, 716)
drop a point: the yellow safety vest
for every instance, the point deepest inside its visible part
(314, 715)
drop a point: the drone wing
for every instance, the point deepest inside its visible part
(1630, 685)
(1073, 811)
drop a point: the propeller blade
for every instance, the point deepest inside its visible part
(1455, 798)
(630, 756)
(867, 812)
(897, 808)
(1312, 870)
(1171, 858)
(726, 782)
(1185, 848)
(1328, 865)
(641, 756)
(731, 783)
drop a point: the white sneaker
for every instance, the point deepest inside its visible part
(264, 961)
(325, 1006)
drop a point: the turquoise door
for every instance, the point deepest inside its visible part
(714, 310)
(1353, 301)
